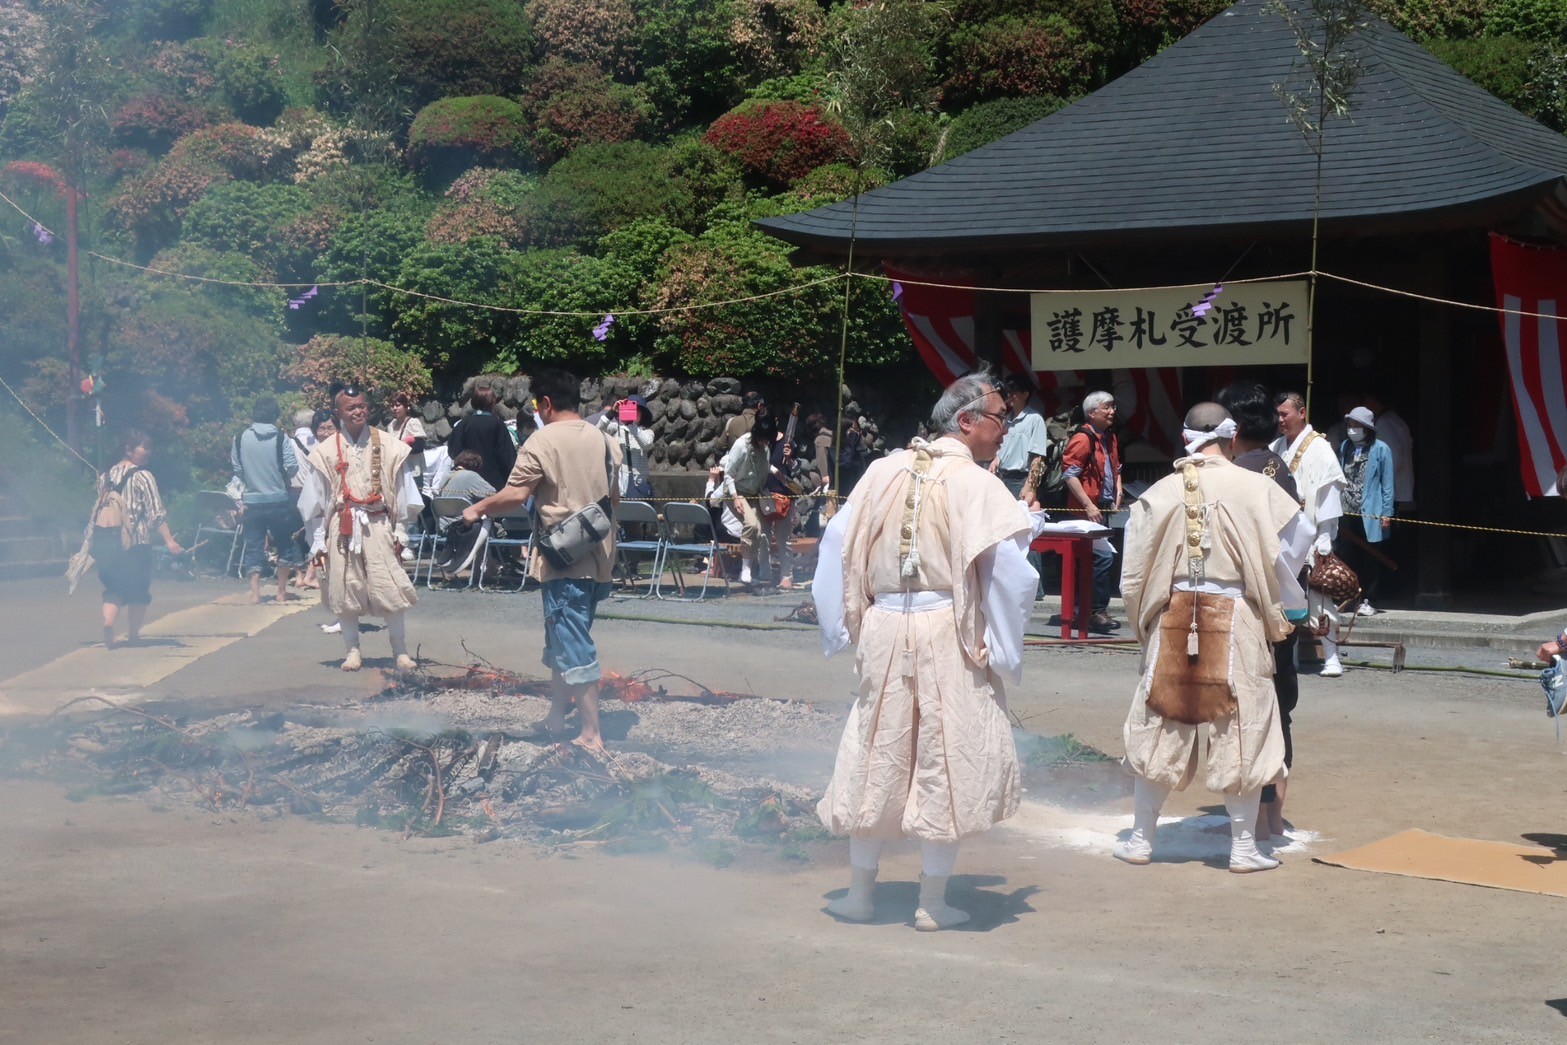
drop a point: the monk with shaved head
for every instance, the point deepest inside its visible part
(1212, 554)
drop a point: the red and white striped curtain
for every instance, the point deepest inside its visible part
(1534, 280)
(941, 322)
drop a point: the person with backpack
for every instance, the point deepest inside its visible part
(128, 512)
(1092, 468)
(265, 464)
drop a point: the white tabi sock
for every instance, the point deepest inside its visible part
(350, 633)
(865, 853)
(1244, 854)
(939, 859)
(397, 632)
(1148, 799)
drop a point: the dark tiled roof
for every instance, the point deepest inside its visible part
(1196, 141)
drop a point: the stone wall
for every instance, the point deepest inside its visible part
(688, 416)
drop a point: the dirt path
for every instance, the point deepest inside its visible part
(125, 921)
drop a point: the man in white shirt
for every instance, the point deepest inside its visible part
(1320, 480)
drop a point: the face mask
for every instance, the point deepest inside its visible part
(1357, 435)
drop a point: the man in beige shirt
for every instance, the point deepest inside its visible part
(566, 466)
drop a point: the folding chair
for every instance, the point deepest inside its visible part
(518, 525)
(443, 508)
(640, 513)
(692, 519)
(217, 515)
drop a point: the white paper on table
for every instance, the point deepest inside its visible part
(1077, 526)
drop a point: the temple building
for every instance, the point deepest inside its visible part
(1177, 186)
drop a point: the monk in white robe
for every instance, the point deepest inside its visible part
(926, 569)
(1212, 553)
(1319, 477)
(358, 497)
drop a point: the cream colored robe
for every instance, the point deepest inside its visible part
(1247, 513)
(1320, 479)
(927, 752)
(370, 581)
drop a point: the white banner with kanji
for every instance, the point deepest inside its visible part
(1248, 324)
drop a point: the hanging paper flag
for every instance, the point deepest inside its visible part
(294, 303)
(897, 291)
(1202, 307)
(89, 385)
(601, 332)
(97, 415)
(44, 235)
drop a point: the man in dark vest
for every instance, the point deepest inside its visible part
(1251, 406)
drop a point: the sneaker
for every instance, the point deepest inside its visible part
(1366, 609)
(1331, 668)
(408, 555)
(745, 573)
(333, 628)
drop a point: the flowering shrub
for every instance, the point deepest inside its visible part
(1015, 55)
(574, 105)
(776, 37)
(21, 42)
(150, 206)
(600, 33)
(454, 134)
(483, 202)
(156, 120)
(779, 142)
(381, 366)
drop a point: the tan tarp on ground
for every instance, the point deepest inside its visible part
(1496, 865)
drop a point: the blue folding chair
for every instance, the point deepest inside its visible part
(518, 527)
(688, 520)
(639, 513)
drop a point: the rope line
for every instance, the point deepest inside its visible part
(617, 312)
(45, 426)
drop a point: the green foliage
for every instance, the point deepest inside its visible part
(993, 120)
(477, 270)
(383, 368)
(1435, 20)
(250, 219)
(806, 88)
(881, 62)
(599, 188)
(252, 84)
(1541, 21)
(574, 105)
(1020, 55)
(169, 19)
(394, 56)
(454, 134)
(1500, 64)
(691, 69)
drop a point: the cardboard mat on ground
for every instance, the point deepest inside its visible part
(1496, 865)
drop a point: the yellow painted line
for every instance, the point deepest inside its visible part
(124, 674)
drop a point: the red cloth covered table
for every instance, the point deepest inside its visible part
(1076, 549)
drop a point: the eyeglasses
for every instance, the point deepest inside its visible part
(1000, 417)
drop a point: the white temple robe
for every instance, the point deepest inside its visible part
(1320, 480)
(363, 576)
(1247, 561)
(927, 751)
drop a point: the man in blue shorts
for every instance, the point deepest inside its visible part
(568, 465)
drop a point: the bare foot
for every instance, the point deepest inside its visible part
(255, 598)
(593, 744)
(545, 726)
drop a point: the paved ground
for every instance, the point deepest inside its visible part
(122, 921)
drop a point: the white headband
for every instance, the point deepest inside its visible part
(1196, 440)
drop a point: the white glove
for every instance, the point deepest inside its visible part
(1323, 545)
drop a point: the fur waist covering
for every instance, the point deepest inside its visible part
(1194, 689)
